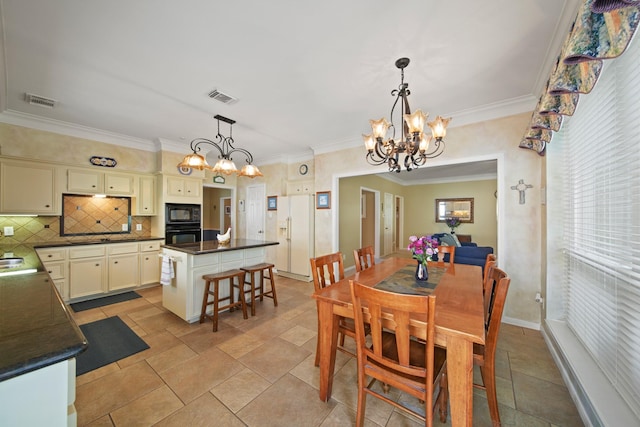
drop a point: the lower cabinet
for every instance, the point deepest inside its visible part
(87, 270)
(86, 277)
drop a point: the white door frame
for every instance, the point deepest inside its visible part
(376, 220)
(255, 209)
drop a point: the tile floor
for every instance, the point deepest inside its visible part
(259, 372)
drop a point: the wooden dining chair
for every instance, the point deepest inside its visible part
(488, 284)
(402, 354)
(485, 355)
(327, 270)
(442, 250)
(363, 258)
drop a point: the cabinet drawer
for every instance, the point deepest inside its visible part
(122, 248)
(150, 246)
(55, 270)
(54, 254)
(86, 251)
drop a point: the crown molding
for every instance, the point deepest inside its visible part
(13, 117)
(462, 178)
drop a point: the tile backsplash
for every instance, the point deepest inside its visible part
(43, 229)
(94, 215)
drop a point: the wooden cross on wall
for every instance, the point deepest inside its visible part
(521, 187)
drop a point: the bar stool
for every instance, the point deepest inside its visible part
(261, 268)
(215, 279)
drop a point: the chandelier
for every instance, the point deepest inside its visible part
(225, 146)
(413, 143)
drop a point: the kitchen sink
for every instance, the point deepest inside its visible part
(11, 262)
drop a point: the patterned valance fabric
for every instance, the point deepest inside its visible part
(602, 30)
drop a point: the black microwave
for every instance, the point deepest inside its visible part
(182, 214)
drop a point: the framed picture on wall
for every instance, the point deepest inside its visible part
(272, 203)
(323, 200)
(227, 210)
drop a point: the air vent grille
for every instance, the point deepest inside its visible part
(222, 97)
(40, 101)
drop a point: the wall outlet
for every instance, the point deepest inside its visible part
(8, 231)
(125, 227)
(138, 227)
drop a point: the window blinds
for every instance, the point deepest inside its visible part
(601, 221)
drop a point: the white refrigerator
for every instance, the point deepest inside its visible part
(295, 236)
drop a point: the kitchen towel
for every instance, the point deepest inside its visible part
(167, 273)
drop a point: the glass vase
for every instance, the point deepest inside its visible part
(422, 274)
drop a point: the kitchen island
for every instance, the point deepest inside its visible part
(191, 261)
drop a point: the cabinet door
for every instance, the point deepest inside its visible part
(84, 181)
(123, 271)
(118, 184)
(86, 277)
(27, 188)
(149, 267)
(175, 186)
(192, 188)
(147, 196)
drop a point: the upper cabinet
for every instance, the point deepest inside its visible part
(146, 200)
(88, 181)
(183, 187)
(28, 188)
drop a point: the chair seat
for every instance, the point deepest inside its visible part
(416, 358)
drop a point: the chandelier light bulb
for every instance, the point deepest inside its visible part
(369, 142)
(439, 127)
(415, 121)
(424, 142)
(379, 127)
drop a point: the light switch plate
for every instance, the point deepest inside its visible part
(8, 231)
(125, 227)
(138, 227)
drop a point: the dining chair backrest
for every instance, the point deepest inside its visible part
(327, 270)
(497, 299)
(402, 353)
(363, 258)
(450, 250)
(488, 284)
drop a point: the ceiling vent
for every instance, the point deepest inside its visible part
(40, 101)
(222, 97)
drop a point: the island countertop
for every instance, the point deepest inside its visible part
(212, 246)
(36, 329)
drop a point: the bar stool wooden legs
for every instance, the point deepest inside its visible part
(215, 279)
(261, 268)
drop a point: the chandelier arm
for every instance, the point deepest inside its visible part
(249, 157)
(195, 145)
(375, 161)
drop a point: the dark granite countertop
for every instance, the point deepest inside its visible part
(211, 246)
(93, 242)
(36, 329)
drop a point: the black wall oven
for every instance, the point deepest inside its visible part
(182, 223)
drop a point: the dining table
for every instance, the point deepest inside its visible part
(459, 323)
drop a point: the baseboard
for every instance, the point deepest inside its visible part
(521, 323)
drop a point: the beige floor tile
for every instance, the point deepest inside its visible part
(298, 335)
(240, 345)
(205, 411)
(274, 358)
(545, 400)
(97, 373)
(108, 393)
(200, 374)
(158, 342)
(101, 422)
(288, 402)
(240, 389)
(342, 416)
(170, 358)
(148, 409)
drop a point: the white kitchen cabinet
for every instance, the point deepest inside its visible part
(299, 187)
(124, 269)
(89, 181)
(184, 187)
(86, 277)
(28, 188)
(55, 263)
(146, 200)
(149, 262)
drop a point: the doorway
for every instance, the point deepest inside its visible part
(368, 219)
(214, 220)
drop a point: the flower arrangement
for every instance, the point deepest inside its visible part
(452, 223)
(423, 248)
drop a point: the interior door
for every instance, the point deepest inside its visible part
(387, 219)
(256, 196)
(300, 214)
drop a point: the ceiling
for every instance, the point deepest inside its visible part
(307, 76)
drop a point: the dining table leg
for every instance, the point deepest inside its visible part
(328, 343)
(460, 379)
